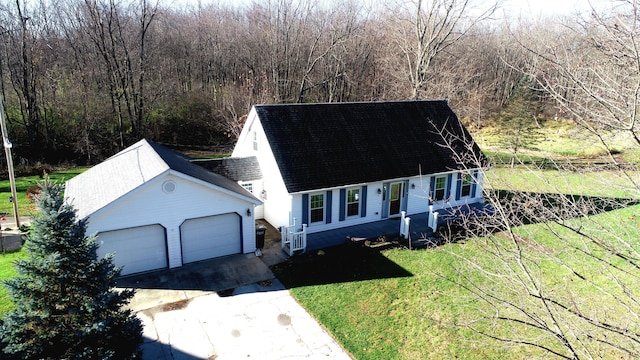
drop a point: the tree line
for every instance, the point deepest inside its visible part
(84, 78)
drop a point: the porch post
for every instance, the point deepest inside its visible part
(434, 226)
(406, 229)
(429, 218)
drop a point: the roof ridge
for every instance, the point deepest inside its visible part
(359, 102)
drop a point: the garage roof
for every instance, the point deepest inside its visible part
(132, 168)
(234, 168)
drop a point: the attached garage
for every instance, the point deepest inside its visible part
(136, 249)
(210, 237)
(197, 214)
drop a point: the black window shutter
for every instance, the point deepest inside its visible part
(459, 186)
(329, 207)
(363, 196)
(432, 189)
(474, 184)
(448, 192)
(343, 203)
(305, 209)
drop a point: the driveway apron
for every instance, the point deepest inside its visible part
(229, 308)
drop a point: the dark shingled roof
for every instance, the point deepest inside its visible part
(181, 163)
(336, 144)
(234, 168)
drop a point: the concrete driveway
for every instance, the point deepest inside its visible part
(227, 308)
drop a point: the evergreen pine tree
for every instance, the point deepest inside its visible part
(66, 303)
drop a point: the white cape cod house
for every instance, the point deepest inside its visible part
(317, 171)
(335, 165)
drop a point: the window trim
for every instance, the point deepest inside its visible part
(319, 209)
(357, 202)
(248, 186)
(467, 182)
(254, 140)
(436, 188)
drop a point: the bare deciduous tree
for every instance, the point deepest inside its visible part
(568, 284)
(123, 55)
(593, 70)
(425, 29)
(544, 271)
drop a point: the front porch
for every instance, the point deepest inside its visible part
(418, 227)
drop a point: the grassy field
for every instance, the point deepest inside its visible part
(615, 184)
(25, 206)
(7, 271)
(400, 306)
(564, 139)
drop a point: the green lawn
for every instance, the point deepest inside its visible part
(26, 207)
(401, 306)
(7, 271)
(592, 183)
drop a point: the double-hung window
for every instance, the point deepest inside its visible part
(248, 187)
(467, 180)
(254, 140)
(316, 205)
(440, 186)
(353, 202)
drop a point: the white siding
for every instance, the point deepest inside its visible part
(257, 186)
(418, 196)
(374, 208)
(417, 202)
(277, 204)
(190, 199)
(244, 145)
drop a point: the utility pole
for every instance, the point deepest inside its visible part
(7, 149)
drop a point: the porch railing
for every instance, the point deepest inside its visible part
(432, 220)
(404, 225)
(294, 239)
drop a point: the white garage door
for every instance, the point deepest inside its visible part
(209, 237)
(136, 249)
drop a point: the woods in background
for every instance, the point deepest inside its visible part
(84, 78)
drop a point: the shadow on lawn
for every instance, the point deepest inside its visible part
(524, 208)
(534, 207)
(355, 262)
(337, 264)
